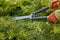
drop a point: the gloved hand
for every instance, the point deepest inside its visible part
(54, 4)
(54, 17)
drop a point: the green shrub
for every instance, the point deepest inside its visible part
(26, 29)
(20, 7)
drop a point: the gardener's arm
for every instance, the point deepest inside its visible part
(55, 4)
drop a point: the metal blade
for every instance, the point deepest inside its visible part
(21, 17)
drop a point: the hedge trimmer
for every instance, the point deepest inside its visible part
(52, 17)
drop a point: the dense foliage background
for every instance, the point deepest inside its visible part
(26, 29)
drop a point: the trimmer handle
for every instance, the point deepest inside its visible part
(32, 16)
(41, 10)
(40, 18)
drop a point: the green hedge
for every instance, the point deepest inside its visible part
(21, 7)
(26, 29)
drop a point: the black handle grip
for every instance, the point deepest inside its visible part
(40, 18)
(41, 10)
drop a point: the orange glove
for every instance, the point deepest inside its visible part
(54, 17)
(54, 4)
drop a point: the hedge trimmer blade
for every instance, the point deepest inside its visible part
(21, 17)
